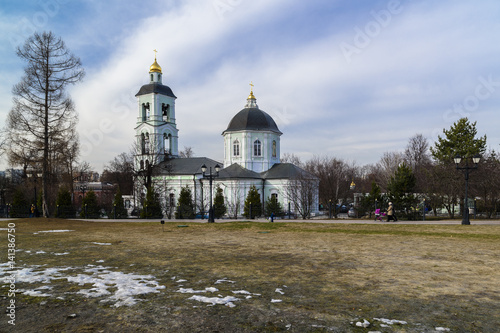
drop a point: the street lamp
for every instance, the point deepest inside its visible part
(466, 169)
(210, 178)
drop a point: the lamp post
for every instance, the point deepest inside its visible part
(210, 176)
(83, 187)
(466, 169)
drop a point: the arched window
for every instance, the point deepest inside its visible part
(152, 78)
(274, 148)
(167, 143)
(142, 165)
(257, 151)
(236, 148)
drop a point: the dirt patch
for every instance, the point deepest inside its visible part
(277, 277)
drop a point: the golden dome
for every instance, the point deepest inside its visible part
(155, 67)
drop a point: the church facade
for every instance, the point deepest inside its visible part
(251, 157)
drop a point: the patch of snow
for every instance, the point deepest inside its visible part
(181, 280)
(442, 329)
(127, 285)
(224, 280)
(276, 301)
(35, 293)
(279, 290)
(100, 260)
(40, 252)
(192, 291)
(227, 301)
(101, 243)
(241, 292)
(364, 324)
(36, 233)
(391, 321)
(61, 254)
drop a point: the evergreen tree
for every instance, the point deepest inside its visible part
(65, 207)
(185, 207)
(90, 207)
(272, 205)
(152, 207)
(20, 206)
(401, 188)
(118, 205)
(253, 199)
(459, 139)
(219, 205)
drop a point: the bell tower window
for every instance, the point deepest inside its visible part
(274, 148)
(165, 111)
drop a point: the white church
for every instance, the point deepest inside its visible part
(251, 157)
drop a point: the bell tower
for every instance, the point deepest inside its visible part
(156, 131)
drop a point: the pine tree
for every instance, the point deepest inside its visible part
(401, 189)
(20, 206)
(253, 199)
(185, 207)
(65, 207)
(152, 207)
(459, 139)
(219, 206)
(273, 206)
(118, 205)
(90, 207)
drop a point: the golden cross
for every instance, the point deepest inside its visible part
(155, 53)
(251, 84)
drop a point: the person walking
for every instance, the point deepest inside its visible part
(391, 216)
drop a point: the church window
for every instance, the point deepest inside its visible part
(152, 78)
(142, 165)
(274, 196)
(274, 148)
(171, 200)
(159, 77)
(236, 148)
(257, 150)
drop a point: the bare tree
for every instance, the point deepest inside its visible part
(187, 152)
(290, 158)
(387, 166)
(417, 152)
(301, 191)
(120, 171)
(43, 114)
(234, 201)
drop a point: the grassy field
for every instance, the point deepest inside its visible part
(252, 277)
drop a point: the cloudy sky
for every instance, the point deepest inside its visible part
(349, 79)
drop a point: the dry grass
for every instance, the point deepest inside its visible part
(331, 275)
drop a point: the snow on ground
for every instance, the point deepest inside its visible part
(227, 301)
(36, 233)
(125, 286)
(101, 243)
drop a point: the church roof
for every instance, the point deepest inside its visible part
(287, 171)
(252, 119)
(187, 166)
(156, 88)
(237, 171)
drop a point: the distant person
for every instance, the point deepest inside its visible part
(32, 210)
(391, 216)
(272, 217)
